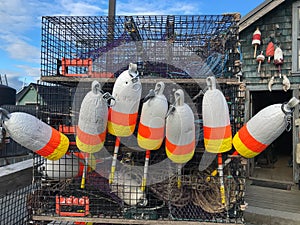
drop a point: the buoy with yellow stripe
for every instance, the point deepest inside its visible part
(216, 127)
(216, 122)
(35, 135)
(92, 122)
(151, 131)
(263, 128)
(180, 133)
(122, 115)
(127, 94)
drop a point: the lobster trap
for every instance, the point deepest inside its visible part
(162, 46)
(180, 51)
(60, 194)
(64, 192)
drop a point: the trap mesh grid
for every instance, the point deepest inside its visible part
(164, 46)
(59, 191)
(15, 207)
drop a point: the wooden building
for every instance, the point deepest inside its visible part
(278, 22)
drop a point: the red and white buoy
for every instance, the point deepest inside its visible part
(216, 121)
(256, 40)
(180, 133)
(92, 123)
(151, 131)
(263, 128)
(260, 59)
(35, 135)
(122, 115)
(278, 59)
(270, 51)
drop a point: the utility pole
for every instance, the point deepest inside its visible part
(110, 30)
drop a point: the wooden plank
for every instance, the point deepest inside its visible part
(57, 79)
(121, 221)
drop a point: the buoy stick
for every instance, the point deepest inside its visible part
(86, 159)
(114, 161)
(146, 166)
(220, 170)
(227, 161)
(179, 167)
(255, 49)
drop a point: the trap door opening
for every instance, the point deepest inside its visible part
(276, 162)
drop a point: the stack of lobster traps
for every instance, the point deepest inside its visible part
(181, 51)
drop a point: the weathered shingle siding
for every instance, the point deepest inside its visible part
(281, 16)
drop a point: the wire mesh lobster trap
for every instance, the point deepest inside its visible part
(60, 193)
(163, 46)
(198, 199)
(180, 50)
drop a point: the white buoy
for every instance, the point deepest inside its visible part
(36, 135)
(180, 133)
(263, 128)
(216, 121)
(123, 113)
(127, 94)
(66, 167)
(92, 123)
(151, 131)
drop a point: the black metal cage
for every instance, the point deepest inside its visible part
(179, 50)
(164, 46)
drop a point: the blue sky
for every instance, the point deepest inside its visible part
(20, 25)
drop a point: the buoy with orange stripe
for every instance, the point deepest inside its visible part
(127, 94)
(216, 122)
(151, 131)
(92, 122)
(216, 127)
(35, 135)
(122, 115)
(263, 128)
(180, 133)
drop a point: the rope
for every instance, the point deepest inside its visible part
(198, 191)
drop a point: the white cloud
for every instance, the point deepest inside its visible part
(148, 7)
(20, 49)
(81, 8)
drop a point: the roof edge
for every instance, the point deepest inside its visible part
(258, 12)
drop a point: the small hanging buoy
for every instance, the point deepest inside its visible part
(263, 128)
(216, 122)
(256, 40)
(278, 59)
(270, 51)
(36, 135)
(260, 59)
(92, 122)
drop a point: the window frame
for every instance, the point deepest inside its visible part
(296, 37)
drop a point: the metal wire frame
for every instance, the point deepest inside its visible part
(70, 37)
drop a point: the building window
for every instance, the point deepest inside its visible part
(296, 37)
